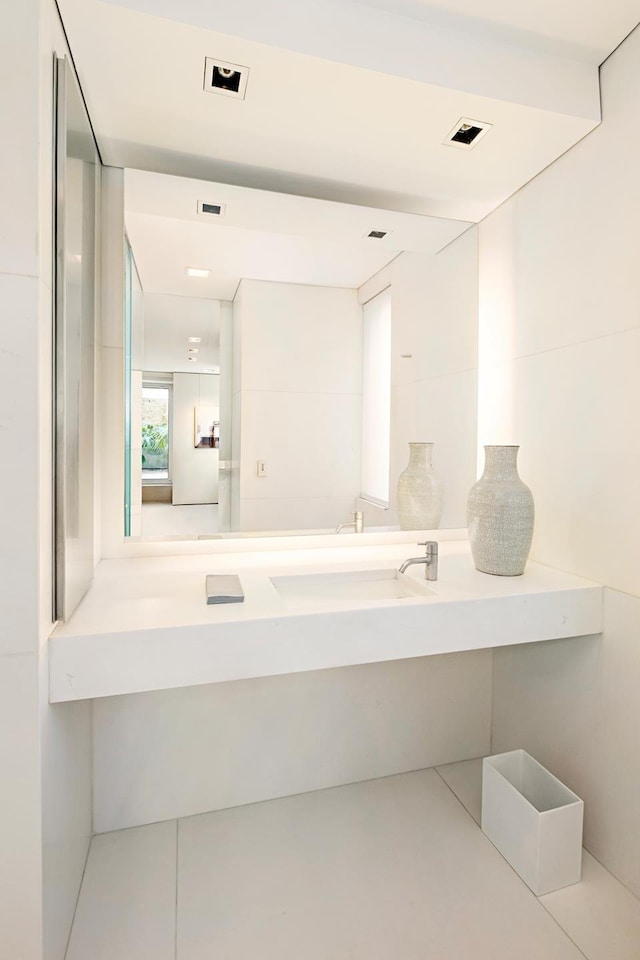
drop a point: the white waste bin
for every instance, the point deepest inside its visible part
(533, 820)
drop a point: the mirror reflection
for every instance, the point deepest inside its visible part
(284, 351)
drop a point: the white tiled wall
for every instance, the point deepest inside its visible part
(112, 362)
(65, 735)
(20, 808)
(573, 704)
(19, 486)
(66, 812)
(194, 472)
(45, 809)
(19, 165)
(20, 805)
(298, 360)
(559, 347)
(179, 752)
(434, 316)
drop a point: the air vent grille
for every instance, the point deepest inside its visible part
(209, 209)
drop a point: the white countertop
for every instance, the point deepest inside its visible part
(145, 625)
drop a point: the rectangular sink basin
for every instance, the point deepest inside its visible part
(349, 585)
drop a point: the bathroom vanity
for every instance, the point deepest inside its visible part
(145, 625)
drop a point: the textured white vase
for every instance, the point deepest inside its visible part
(500, 515)
(419, 493)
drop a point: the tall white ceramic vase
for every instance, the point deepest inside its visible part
(419, 492)
(500, 515)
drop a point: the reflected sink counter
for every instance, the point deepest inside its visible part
(145, 624)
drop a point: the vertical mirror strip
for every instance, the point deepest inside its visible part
(60, 156)
(77, 177)
(128, 326)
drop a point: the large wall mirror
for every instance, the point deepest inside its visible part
(249, 406)
(271, 426)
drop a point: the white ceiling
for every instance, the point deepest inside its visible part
(572, 28)
(348, 101)
(262, 236)
(358, 121)
(168, 323)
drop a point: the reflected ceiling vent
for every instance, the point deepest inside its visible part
(228, 79)
(466, 133)
(211, 209)
(377, 234)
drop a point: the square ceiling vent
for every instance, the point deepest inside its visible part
(209, 209)
(466, 133)
(227, 79)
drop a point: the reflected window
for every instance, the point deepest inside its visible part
(156, 408)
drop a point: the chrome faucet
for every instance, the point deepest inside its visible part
(430, 560)
(357, 523)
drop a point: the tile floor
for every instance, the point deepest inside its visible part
(189, 520)
(386, 869)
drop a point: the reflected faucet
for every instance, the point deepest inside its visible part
(430, 560)
(357, 523)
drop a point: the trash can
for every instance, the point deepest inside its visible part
(533, 820)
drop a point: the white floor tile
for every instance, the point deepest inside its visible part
(189, 520)
(600, 915)
(126, 909)
(378, 870)
(465, 780)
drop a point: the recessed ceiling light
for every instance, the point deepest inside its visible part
(197, 272)
(229, 79)
(466, 133)
(193, 349)
(194, 339)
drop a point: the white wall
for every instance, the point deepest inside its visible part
(376, 397)
(237, 314)
(181, 752)
(137, 367)
(44, 821)
(65, 735)
(559, 363)
(194, 472)
(112, 361)
(298, 355)
(434, 318)
(136, 454)
(22, 584)
(225, 463)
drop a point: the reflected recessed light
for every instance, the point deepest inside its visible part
(194, 339)
(193, 349)
(197, 272)
(192, 359)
